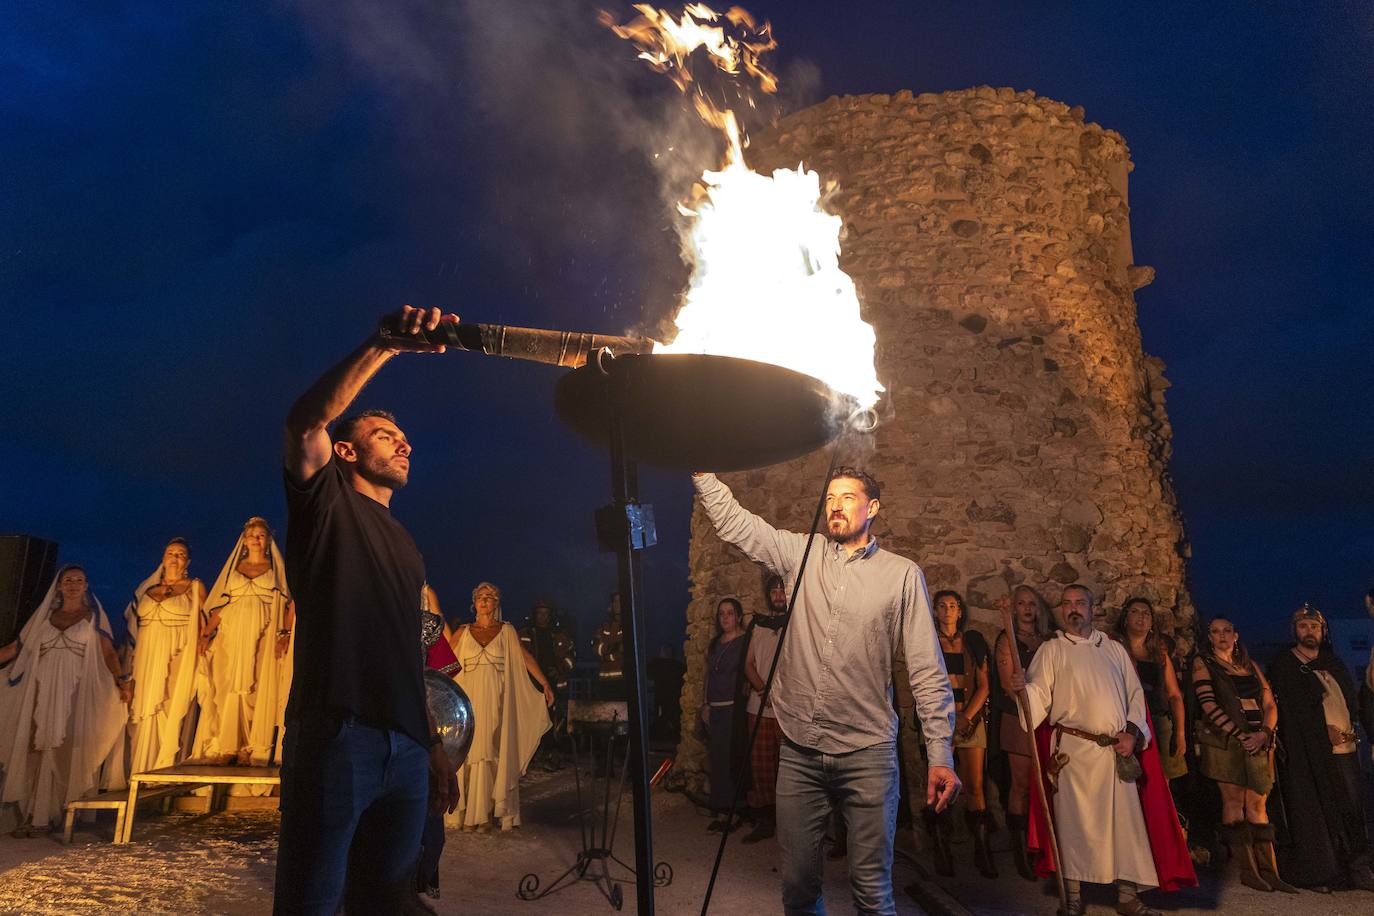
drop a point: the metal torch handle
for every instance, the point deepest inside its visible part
(448, 333)
(558, 348)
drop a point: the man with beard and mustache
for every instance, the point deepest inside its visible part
(1084, 684)
(1319, 774)
(360, 756)
(832, 691)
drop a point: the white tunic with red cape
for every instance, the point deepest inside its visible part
(1090, 684)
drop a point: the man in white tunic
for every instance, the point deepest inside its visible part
(1084, 684)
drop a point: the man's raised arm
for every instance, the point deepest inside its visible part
(780, 551)
(305, 445)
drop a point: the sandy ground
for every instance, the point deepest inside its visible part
(223, 863)
(1009, 893)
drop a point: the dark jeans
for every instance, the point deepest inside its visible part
(863, 786)
(431, 850)
(353, 801)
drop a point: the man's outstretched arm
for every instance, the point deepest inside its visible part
(780, 551)
(305, 445)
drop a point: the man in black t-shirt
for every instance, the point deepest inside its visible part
(359, 761)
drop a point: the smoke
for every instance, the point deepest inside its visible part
(575, 155)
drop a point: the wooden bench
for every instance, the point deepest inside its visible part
(118, 801)
(189, 776)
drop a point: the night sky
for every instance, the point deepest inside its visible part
(203, 206)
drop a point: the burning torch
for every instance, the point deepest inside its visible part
(571, 349)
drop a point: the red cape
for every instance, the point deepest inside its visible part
(1168, 844)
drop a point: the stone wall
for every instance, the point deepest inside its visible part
(1026, 438)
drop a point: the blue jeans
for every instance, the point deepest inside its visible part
(353, 801)
(863, 784)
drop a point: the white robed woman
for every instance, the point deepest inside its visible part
(164, 621)
(246, 645)
(509, 716)
(62, 705)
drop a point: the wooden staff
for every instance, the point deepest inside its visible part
(1023, 702)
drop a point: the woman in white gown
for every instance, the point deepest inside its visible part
(164, 625)
(246, 642)
(508, 714)
(62, 705)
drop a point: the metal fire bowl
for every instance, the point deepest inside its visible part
(694, 412)
(452, 713)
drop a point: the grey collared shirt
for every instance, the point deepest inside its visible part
(833, 689)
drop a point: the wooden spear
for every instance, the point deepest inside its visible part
(1023, 702)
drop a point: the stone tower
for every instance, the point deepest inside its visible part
(1025, 438)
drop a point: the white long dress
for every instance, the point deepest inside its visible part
(240, 684)
(61, 719)
(1091, 685)
(164, 670)
(509, 717)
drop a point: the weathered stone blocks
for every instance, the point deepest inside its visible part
(1026, 438)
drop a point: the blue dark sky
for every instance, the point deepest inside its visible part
(204, 205)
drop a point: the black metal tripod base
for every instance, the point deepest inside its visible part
(585, 869)
(596, 860)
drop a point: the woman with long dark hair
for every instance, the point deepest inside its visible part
(725, 687)
(1135, 629)
(966, 661)
(1031, 619)
(1235, 734)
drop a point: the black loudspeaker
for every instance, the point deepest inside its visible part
(27, 565)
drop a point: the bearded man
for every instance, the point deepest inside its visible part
(1319, 775)
(832, 691)
(360, 756)
(1084, 684)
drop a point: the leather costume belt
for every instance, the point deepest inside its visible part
(1128, 767)
(1099, 740)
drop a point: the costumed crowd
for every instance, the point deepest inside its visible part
(1153, 757)
(852, 699)
(203, 678)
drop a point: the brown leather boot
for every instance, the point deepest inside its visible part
(1237, 839)
(1262, 841)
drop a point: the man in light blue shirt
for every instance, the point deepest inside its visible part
(855, 604)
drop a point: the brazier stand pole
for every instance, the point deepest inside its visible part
(635, 532)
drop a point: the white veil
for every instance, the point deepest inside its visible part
(98, 715)
(179, 689)
(273, 675)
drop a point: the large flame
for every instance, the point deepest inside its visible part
(766, 280)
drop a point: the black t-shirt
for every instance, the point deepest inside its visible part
(356, 577)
